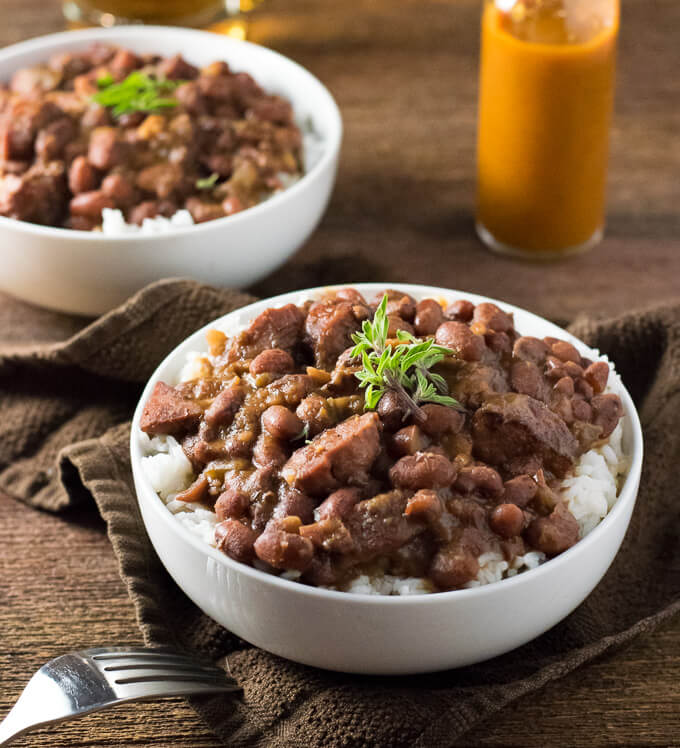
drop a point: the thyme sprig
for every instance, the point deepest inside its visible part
(136, 93)
(404, 368)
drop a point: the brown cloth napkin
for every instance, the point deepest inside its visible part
(64, 437)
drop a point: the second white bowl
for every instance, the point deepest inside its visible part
(88, 273)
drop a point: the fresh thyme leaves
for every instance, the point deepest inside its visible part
(404, 368)
(136, 93)
(208, 182)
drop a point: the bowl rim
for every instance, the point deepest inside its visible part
(627, 495)
(331, 143)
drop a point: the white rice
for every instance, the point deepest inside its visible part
(114, 224)
(589, 492)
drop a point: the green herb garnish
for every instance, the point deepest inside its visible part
(208, 182)
(105, 80)
(137, 93)
(405, 368)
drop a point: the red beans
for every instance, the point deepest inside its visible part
(223, 408)
(461, 311)
(607, 412)
(460, 338)
(492, 317)
(440, 419)
(555, 533)
(423, 470)
(526, 378)
(283, 549)
(597, 375)
(530, 349)
(105, 150)
(236, 540)
(396, 323)
(479, 479)
(453, 567)
(329, 534)
(565, 351)
(232, 503)
(507, 520)
(424, 504)
(272, 361)
(408, 441)
(520, 490)
(119, 189)
(391, 411)
(90, 204)
(161, 179)
(429, 316)
(281, 422)
(81, 176)
(339, 503)
(399, 304)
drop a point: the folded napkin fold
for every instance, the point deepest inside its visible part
(64, 438)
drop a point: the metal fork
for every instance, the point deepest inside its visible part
(81, 682)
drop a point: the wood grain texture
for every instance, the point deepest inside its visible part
(404, 75)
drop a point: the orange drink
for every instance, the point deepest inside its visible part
(545, 103)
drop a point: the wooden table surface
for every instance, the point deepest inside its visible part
(404, 74)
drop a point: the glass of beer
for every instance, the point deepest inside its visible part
(197, 13)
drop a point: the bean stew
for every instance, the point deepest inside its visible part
(350, 436)
(146, 134)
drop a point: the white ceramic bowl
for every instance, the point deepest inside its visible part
(88, 273)
(374, 634)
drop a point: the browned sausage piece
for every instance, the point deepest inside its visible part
(236, 540)
(282, 549)
(281, 422)
(167, 412)
(507, 520)
(555, 533)
(339, 503)
(607, 412)
(272, 361)
(423, 470)
(479, 479)
(460, 338)
(597, 375)
(492, 317)
(429, 316)
(441, 419)
(231, 503)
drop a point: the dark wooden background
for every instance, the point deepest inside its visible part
(404, 74)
